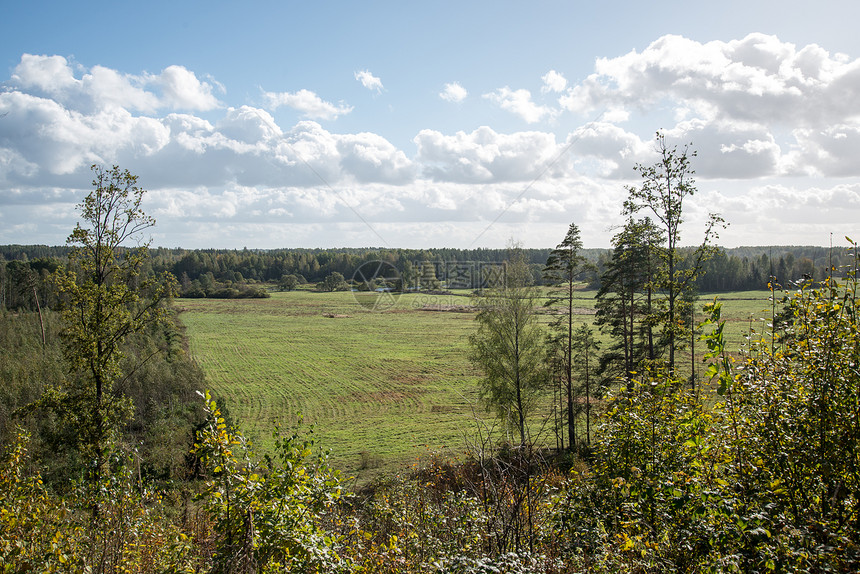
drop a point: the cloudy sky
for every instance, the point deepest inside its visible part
(444, 123)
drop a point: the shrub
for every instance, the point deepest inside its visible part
(267, 516)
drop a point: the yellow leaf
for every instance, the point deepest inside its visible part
(626, 542)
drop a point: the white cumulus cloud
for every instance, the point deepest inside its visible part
(308, 103)
(249, 125)
(369, 81)
(753, 107)
(53, 76)
(453, 92)
(485, 155)
(182, 90)
(553, 82)
(519, 102)
(758, 78)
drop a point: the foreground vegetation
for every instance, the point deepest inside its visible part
(747, 463)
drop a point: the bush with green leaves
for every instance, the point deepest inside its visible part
(793, 426)
(267, 515)
(650, 482)
(41, 531)
(760, 476)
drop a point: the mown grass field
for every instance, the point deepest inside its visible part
(382, 388)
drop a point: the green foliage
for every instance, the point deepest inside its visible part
(161, 381)
(664, 187)
(508, 348)
(267, 515)
(288, 282)
(109, 369)
(565, 264)
(732, 269)
(26, 285)
(333, 282)
(105, 302)
(626, 305)
(208, 286)
(797, 439)
(24, 510)
(762, 479)
(26, 367)
(721, 362)
(563, 267)
(158, 378)
(427, 280)
(42, 532)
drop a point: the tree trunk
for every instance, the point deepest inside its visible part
(571, 419)
(41, 321)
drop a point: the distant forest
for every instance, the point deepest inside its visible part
(239, 272)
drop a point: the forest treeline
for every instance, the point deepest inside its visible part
(231, 273)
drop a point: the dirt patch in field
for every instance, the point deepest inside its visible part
(336, 316)
(450, 308)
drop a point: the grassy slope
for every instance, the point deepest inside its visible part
(383, 384)
(381, 387)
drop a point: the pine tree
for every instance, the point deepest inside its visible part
(665, 185)
(584, 362)
(563, 266)
(625, 301)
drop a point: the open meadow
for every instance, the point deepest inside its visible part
(382, 388)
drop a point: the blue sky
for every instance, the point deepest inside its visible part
(463, 124)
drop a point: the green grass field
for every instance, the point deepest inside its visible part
(382, 388)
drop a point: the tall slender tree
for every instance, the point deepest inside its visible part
(625, 300)
(584, 358)
(563, 267)
(508, 347)
(105, 300)
(664, 187)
